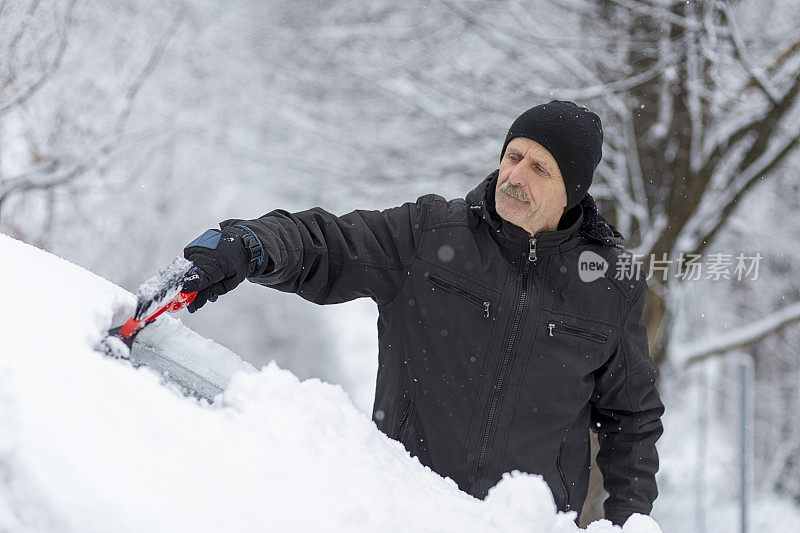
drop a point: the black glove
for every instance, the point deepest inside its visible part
(222, 260)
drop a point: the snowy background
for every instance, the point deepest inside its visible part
(127, 128)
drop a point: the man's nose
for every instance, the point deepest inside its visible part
(517, 176)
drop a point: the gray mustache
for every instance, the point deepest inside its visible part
(513, 191)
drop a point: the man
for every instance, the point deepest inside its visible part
(495, 353)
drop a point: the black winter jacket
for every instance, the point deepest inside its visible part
(493, 354)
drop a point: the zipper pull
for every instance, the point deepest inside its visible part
(532, 252)
(486, 309)
(550, 327)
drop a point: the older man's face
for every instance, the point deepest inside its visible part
(530, 190)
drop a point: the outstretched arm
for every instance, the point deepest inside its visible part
(320, 256)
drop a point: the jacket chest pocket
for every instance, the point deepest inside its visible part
(449, 323)
(558, 328)
(467, 295)
(579, 346)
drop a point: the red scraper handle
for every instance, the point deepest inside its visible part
(176, 304)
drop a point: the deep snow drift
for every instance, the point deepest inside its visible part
(90, 444)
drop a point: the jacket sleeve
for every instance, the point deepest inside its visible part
(331, 259)
(626, 413)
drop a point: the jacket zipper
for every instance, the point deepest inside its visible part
(586, 334)
(402, 428)
(498, 387)
(461, 292)
(562, 475)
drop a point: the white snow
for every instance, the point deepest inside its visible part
(90, 444)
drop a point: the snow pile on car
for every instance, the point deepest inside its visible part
(91, 444)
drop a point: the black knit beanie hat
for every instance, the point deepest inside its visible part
(574, 137)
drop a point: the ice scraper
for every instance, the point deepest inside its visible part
(158, 294)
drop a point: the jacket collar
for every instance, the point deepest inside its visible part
(582, 220)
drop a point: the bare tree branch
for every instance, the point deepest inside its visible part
(741, 52)
(599, 88)
(739, 337)
(759, 123)
(779, 456)
(694, 70)
(509, 39)
(47, 72)
(756, 163)
(47, 180)
(753, 175)
(24, 26)
(46, 167)
(657, 12)
(150, 66)
(781, 54)
(48, 176)
(603, 89)
(579, 7)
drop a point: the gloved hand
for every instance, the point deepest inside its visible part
(222, 260)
